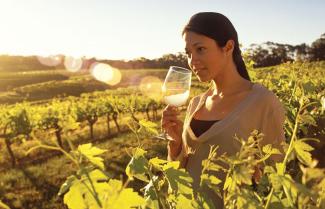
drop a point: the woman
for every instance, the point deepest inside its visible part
(233, 106)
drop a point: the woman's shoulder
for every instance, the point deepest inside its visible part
(267, 96)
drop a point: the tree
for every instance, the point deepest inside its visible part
(317, 50)
(301, 52)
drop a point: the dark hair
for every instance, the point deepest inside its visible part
(218, 27)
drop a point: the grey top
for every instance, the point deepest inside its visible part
(260, 110)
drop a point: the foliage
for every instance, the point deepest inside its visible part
(251, 181)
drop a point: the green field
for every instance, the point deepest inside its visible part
(43, 85)
(37, 177)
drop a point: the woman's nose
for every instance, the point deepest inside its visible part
(193, 60)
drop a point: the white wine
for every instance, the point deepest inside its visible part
(177, 99)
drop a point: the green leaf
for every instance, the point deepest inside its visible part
(109, 194)
(280, 168)
(229, 184)
(151, 196)
(322, 101)
(289, 190)
(245, 199)
(208, 165)
(150, 126)
(211, 181)
(203, 201)
(158, 163)
(184, 202)
(4, 206)
(74, 198)
(269, 169)
(138, 166)
(171, 164)
(277, 203)
(66, 185)
(267, 149)
(179, 180)
(321, 185)
(314, 173)
(243, 174)
(276, 181)
(90, 152)
(81, 193)
(117, 197)
(308, 119)
(302, 151)
(309, 87)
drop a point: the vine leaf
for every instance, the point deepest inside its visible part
(80, 194)
(179, 180)
(125, 198)
(138, 166)
(90, 152)
(302, 151)
(149, 126)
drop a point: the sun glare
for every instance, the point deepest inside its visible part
(50, 60)
(105, 73)
(72, 64)
(151, 87)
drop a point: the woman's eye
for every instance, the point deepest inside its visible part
(200, 49)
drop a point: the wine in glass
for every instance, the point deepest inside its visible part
(176, 88)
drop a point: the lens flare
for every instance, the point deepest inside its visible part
(105, 73)
(72, 64)
(151, 87)
(50, 60)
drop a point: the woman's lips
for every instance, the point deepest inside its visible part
(196, 71)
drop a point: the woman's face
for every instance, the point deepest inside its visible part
(206, 59)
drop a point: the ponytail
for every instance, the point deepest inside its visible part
(240, 64)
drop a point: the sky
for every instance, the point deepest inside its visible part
(129, 29)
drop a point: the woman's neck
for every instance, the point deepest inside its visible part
(229, 83)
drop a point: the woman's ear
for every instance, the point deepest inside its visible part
(229, 47)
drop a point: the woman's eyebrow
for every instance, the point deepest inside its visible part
(196, 43)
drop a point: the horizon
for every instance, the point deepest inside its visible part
(127, 30)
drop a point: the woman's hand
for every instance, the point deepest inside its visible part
(173, 127)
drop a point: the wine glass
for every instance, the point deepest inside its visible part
(176, 88)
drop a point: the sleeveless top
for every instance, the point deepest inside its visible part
(201, 126)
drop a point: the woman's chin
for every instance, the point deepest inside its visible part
(203, 78)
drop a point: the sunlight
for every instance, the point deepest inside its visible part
(72, 64)
(151, 87)
(50, 60)
(105, 73)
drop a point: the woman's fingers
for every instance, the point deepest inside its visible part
(170, 113)
(171, 123)
(169, 117)
(167, 126)
(170, 110)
